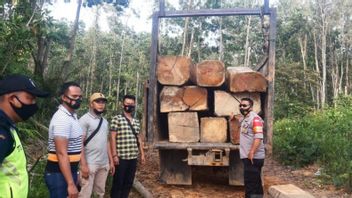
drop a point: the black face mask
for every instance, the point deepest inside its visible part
(129, 108)
(73, 106)
(98, 112)
(26, 111)
(244, 111)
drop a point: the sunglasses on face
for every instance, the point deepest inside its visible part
(243, 105)
(100, 101)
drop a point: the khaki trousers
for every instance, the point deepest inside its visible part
(95, 182)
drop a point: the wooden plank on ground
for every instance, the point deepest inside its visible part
(209, 73)
(244, 79)
(171, 99)
(196, 98)
(213, 129)
(183, 127)
(173, 70)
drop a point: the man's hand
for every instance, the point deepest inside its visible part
(116, 160)
(142, 158)
(72, 191)
(112, 168)
(85, 171)
(250, 156)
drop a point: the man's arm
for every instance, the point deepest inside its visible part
(254, 148)
(83, 161)
(113, 147)
(257, 127)
(141, 146)
(111, 160)
(61, 144)
(6, 145)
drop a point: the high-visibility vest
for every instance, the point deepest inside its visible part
(13, 172)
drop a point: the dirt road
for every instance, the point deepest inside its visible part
(205, 184)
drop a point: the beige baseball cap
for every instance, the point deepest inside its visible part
(96, 96)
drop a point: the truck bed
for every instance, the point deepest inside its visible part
(165, 145)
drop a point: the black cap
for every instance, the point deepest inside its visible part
(19, 82)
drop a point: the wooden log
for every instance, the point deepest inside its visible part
(173, 70)
(235, 126)
(196, 98)
(224, 103)
(171, 99)
(244, 79)
(141, 189)
(213, 129)
(183, 127)
(257, 107)
(209, 73)
(227, 104)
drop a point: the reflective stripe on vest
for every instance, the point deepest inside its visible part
(13, 172)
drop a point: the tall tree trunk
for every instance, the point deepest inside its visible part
(303, 46)
(191, 43)
(221, 42)
(247, 48)
(185, 30)
(137, 90)
(324, 32)
(110, 72)
(120, 66)
(94, 51)
(69, 53)
(317, 71)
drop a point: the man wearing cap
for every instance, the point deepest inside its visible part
(17, 103)
(96, 158)
(64, 144)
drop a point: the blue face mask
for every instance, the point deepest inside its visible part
(26, 111)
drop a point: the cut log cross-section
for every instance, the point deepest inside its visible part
(171, 99)
(213, 129)
(173, 70)
(196, 98)
(209, 73)
(244, 79)
(227, 104)
(183, 127)
(235, 129)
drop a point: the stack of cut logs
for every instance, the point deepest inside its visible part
(200, 98)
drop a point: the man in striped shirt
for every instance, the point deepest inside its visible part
(65, 144)
(126, 143)
(252, 150)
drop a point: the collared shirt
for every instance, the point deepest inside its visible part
(96, 150)
(6, 139)
(64, 124)
(251, 128)
(126, 141)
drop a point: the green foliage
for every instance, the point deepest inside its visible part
(323, 137)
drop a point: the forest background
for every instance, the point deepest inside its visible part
(313, 105)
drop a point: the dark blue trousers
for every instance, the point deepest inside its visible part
(252, 178)
(123, 178)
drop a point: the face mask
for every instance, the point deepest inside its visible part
(25, 111)
(98, 112)
(244, 111)
(129, 108)
(77, 103)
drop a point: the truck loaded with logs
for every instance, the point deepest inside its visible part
(188, 105)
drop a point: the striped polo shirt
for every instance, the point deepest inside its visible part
(126, 141)
(64, 124)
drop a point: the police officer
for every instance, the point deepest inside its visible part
(17, 103)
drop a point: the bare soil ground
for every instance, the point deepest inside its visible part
(214, 183)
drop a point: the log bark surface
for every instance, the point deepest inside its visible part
(213, 129)
(196, 98)
(209, 73)
(173, 70)
(183, 127)
(244, 79)
(171, 99)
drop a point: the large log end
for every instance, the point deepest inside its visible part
(209, 73)
(213, 129)
(244, 79)
(173, 70)
(183, 127)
